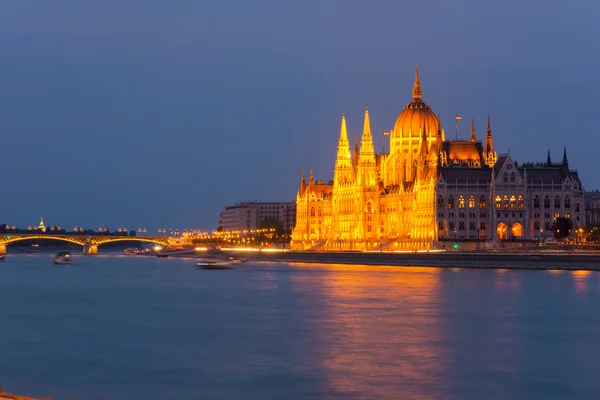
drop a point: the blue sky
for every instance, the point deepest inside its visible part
(150, 113)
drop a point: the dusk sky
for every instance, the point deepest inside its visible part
(142, 113)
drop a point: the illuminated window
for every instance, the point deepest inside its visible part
(498, 201)
(482, 225)
(312, 211)
(440, 202)
(505, 201)
(513, 201)
(482, 202)
(521, 202)
(451, 202)
(441, 225)
(319, 212)
(461, 201)
(471, 201)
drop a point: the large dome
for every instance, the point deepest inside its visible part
(415, 116)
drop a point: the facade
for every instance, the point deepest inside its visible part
(592, 208)
(250, 215)
(428, 190)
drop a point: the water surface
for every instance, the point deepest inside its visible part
(115, 327)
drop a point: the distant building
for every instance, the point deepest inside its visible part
(250, 215)
(41, 227)
(592, 208)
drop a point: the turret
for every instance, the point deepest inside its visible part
(417, 93)
(367, 168)
(549, 160)
(303, 183)
(343, 163)
(472, 138)
(356, 152)
(565, 161)
(424, 147)
(438, 136)
(489, 153)
(311, 179)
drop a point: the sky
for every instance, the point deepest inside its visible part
(156, 114)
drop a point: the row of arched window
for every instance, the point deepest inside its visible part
(461, 201)
(512, 202)
(567, 202)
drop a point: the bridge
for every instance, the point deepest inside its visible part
(89, 243)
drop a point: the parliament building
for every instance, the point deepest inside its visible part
(429, 192)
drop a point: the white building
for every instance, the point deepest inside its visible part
(250, 215)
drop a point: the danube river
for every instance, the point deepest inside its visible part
(115, 327)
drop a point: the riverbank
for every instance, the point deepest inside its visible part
(541, 260)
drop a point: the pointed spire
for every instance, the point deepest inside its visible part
(302, 183)
(472, 139)
(489, 129)
(356, 151)
(549, 160)
(343, 130)
(565, 161)
(438, 137)
(424, 146)
(367, 123)
(311, 178)
(417, 93)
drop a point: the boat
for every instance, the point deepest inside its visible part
(131, 251)
(224, 264)
(2, 258)
(62, 258)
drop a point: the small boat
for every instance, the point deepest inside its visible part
(2, 258)
(226, 264)
(62, 258)
(131, 251)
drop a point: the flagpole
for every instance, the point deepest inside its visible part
(456, 118)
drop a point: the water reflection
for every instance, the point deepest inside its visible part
(377, 332)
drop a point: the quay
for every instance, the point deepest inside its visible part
(538, 260)
(11, 396)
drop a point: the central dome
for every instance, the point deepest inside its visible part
(416, 116)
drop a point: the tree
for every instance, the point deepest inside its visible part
(562, 227)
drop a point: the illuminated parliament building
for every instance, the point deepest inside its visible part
(429, 191)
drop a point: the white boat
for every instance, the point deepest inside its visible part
(62, 258)
(221, 264)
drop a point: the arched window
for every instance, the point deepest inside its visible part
(521, 202)
(440, 202)
(441, 225)
(536, 202)
(498, 201)
(471, 201)
(461, 201)
(576, 207)
(567, 202)
(482, 201)
(451, 202)
(547, 202)
(557, 202)
(312, 211)
(319, 212)
(369, 207)
(505, 201)
(513, 201)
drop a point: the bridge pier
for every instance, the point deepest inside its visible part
(2, 249)
(90, 249)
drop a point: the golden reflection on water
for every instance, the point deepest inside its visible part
(393, 356)
(580, 280)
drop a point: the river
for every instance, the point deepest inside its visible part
(116, 327)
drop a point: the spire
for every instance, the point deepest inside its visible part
(355, 159)
(423, 142)
(472, 139)
(490, 154)
(417, 93)
(565, 161)
(489, 129)
(438, 136)
(343, 130)
(367, 123)
(302, 183)
(549, 160)
(311, 178)
(366, 146)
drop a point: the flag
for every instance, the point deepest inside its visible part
(387, 133)
(458, 117)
